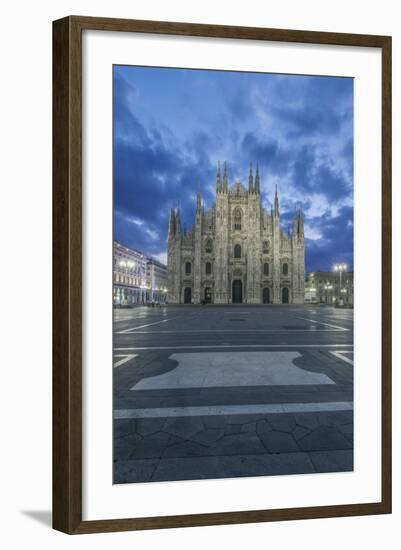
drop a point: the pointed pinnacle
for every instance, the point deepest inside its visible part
(225, 181)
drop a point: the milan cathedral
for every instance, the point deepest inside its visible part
(236, 251)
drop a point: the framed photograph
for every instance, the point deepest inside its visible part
(222, 274)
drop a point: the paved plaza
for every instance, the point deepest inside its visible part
(229, 391)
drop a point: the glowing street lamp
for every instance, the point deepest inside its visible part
(340, 267)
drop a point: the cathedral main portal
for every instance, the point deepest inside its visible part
(208, 295)
(237, 292)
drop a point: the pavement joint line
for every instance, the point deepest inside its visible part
(339, 355)
(179, 331)
(129, 330)
(125, 319)
(326, 324)
(341, 317)
(225, 346)
(220, 410)
(125, 360)
(237, 312)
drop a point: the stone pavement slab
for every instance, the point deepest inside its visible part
(135, 471)
(256, 465)
(333, 461)
(214, 467)
(279, 442)
(324, 438)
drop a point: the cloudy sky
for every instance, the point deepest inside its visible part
(171, 126)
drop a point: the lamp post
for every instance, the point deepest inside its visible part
(328, 288)
(340, 268)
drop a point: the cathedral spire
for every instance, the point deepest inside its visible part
(225, 179)
(257, 180)
(218, 179)
(294, 224)
(171, 224)
(276, 206)
(301, 224)
(178, 222)
(198, 202)
(250, 179)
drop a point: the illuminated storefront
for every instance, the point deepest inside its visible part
(137, 279)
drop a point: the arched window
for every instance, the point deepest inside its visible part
(208, 247)
(237, 251)
(187, 268)
(208, 268)
(285, 269)
(265, 247)
(266, 269)
(237, 219)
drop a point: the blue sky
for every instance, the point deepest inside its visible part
(171, 126)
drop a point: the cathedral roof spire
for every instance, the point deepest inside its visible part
(198, 202)
(225, 179)
(301, 224)
(218, 179)
(250, 179)
(171, 224)
(276, 205)
(178, 222)
(257, 180)
(295, 223)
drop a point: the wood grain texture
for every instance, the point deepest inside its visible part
(67, 277)
(386, 275)
(226, 31)
(67, 273)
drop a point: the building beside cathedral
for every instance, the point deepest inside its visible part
(236, 251)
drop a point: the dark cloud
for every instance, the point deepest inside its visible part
(160, 162)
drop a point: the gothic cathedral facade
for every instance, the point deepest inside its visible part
(236, 251)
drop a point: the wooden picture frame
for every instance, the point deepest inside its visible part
(67, 273)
